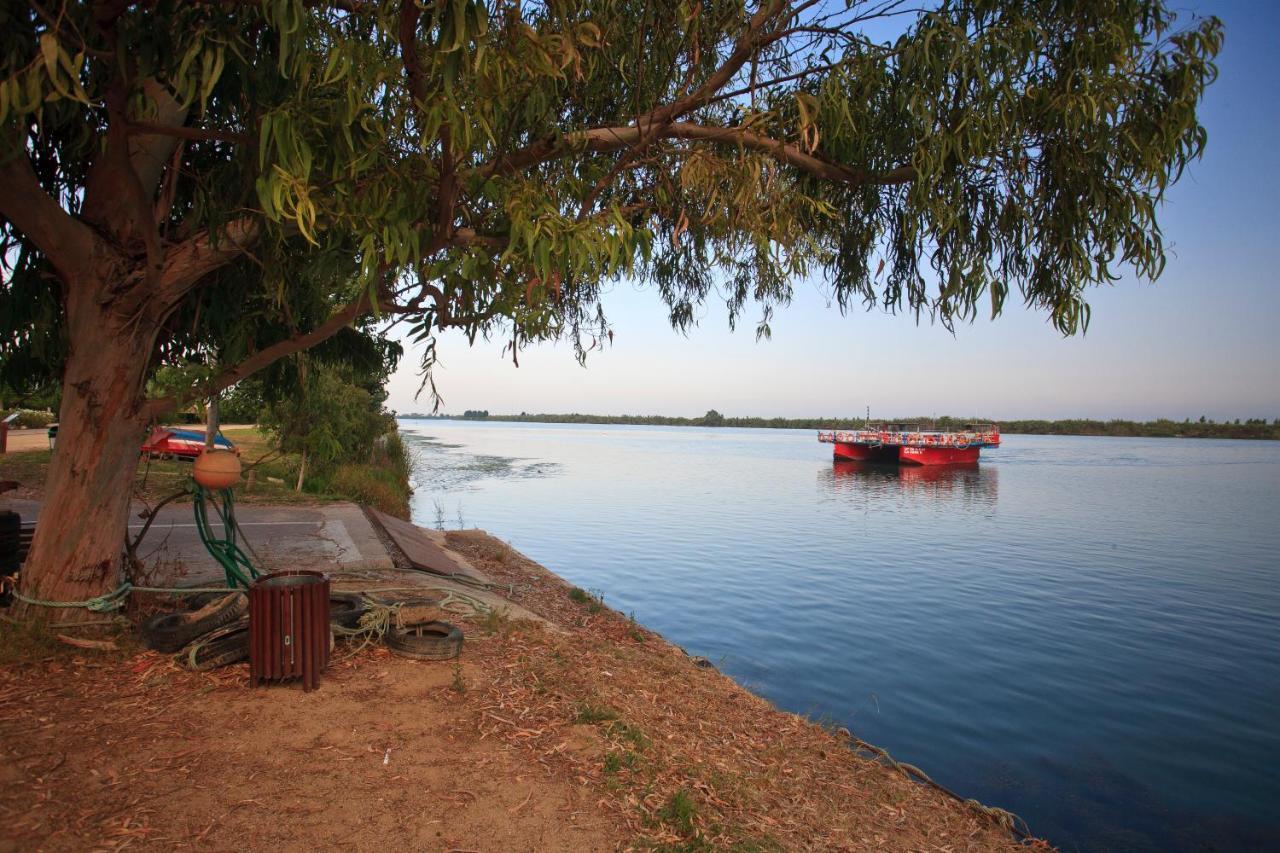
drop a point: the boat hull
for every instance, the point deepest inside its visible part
(864, 453)
(939, 455)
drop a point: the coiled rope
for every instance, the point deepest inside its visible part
(378, 618)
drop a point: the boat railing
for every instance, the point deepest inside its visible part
(876, 438)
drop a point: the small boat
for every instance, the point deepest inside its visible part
(911, 444)
(171, 442)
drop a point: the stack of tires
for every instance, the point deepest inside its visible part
(214, 630)
(11, 551)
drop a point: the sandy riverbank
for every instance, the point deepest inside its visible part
(583, 732)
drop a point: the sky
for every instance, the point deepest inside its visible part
(1202, 340)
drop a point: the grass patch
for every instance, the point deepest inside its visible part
(27, 467)
(23, 642)
(615, 761)
(593, 714)
(458, 685)
(380, 488)
(679, 812)
(628, 733)
(29, 642)
(495, 621)
(593, 602)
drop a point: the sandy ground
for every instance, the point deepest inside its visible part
(19, 440)
(590, 733)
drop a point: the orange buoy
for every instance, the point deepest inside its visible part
(217, 469)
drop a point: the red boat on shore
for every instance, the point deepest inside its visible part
(177, 443)
(910, 444)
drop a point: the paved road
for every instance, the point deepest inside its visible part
(330, 536)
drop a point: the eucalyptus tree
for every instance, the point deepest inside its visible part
(302, 165)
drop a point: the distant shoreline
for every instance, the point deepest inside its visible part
(1251, 428)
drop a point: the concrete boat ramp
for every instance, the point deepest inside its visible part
(358, 549)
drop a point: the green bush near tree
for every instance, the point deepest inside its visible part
(29, 419)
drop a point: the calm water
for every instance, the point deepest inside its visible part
(1085, 631)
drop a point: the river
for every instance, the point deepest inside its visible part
(1084, 631)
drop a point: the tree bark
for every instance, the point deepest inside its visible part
(77, 552)
(212, 424)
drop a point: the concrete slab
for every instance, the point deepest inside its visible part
(325, 537)
(337, 539)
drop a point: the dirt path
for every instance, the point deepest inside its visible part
(596, 735)
(21, 440)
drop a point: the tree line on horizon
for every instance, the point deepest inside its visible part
(1203, 427)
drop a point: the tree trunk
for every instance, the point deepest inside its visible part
(79, 541)
(302, 470)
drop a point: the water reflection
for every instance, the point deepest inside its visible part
(966, 485)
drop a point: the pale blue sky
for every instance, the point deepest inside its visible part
(1202, 340)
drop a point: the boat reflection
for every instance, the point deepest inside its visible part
(975, 485)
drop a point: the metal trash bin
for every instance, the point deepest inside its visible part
(289, 627)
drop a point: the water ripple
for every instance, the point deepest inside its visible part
(1083, 630)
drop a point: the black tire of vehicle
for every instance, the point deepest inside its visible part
(346, 608)
(168, 632)
(433, 640)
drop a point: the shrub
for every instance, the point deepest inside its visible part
(371, 485)
(30, 419)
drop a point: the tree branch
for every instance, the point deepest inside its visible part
(754, 37)
(337, 321)
(471, 237)
(193, 259)
(115, 200)
(606, 139)
(142, 128)
(790, 154)
(64, 240)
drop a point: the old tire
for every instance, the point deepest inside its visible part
(346, 608)
(10, 542)
(199, 600)
(227, 645)
(168, 632)
(425, 640)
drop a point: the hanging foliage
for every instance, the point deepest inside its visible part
(250, 177)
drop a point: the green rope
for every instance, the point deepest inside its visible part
(98, 604)
(235, 563)
(114, 600)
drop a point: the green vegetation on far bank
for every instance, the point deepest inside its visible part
(1249, 428)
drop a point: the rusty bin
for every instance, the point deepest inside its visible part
(289, 627)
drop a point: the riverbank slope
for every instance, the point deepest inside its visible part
(587, 732)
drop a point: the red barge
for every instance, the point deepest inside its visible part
(909, 444)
